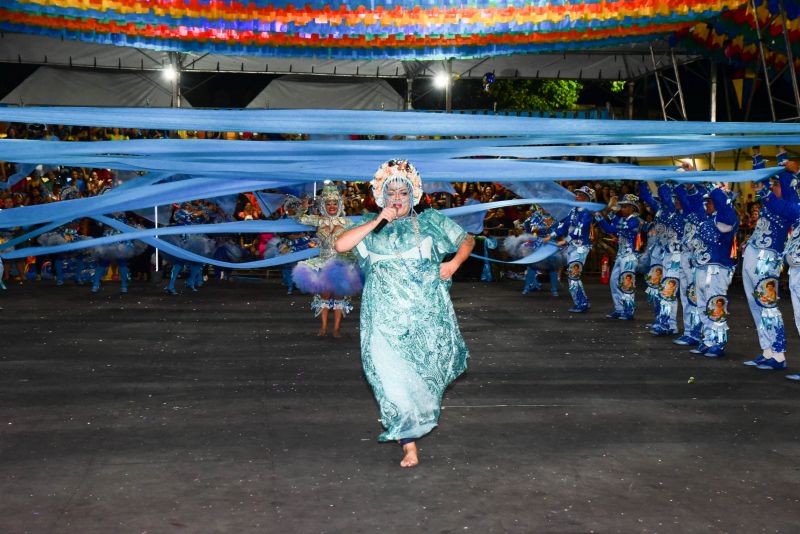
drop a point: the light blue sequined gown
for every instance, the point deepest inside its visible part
(411, 347)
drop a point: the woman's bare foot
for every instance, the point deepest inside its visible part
(322, 332)
(410, 458)
(337, 334)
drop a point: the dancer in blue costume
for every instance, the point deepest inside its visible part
(331, 277)
(690, 198)
(788, 206)
(656, 248)
(526, 244)
(625, 225)
(575, 232)
(119, 252)
(197, 243)
(668, 294)
(762, 264)
(411, 346)
(536, 226)
(77, 260)
(711, 248)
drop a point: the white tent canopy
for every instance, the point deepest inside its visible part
(627, 62)
(53, 86)
(323, 92)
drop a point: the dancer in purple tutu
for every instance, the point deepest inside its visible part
(332, 277)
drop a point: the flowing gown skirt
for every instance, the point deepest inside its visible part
(411, 346)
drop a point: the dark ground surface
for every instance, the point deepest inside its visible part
(219, 411)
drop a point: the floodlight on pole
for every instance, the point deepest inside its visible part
(441, 80)
(169, 73)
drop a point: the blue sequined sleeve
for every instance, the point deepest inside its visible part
(447, 234)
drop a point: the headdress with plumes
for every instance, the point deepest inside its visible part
(291, 202)
(330, 193)
(396, 170)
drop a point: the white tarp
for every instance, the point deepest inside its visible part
(627, 62)
(53, 86)
(327, 92)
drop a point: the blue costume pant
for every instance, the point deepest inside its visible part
(532, 284)
(761, 270)
(195, 279)
(79, 265)
(670, 293)
(656, 263)
(177, 267)
(286, 275)
(102, 269)
(623, 285)
(576, 258)
(711, 282)
(59, 265)
(223, 272)
(692, 326)
(195, 274)
(486, 273)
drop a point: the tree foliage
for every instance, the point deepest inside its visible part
(617, 86)
(535, 95)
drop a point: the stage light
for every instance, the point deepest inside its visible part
(169, 73)
(441, 80)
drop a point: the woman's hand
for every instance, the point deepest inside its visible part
(388, 213)
(447, 269)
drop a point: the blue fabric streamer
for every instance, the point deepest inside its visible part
(438, 187)
(183, 170)
(434, 167)
(269, 202)
(471, 223)
(131, 199)
(543, 190)
(22, 172)
(257, 226)
(371, 122)
(485, 206)
(543, 252)
(199, 150)
(147, 236)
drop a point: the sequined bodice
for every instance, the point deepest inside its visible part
(328, 231)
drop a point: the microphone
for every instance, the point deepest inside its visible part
(380, 226)
(384, 222)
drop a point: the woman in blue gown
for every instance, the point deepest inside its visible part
(411, 347)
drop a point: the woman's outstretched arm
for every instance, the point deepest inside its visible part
(352, 237)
